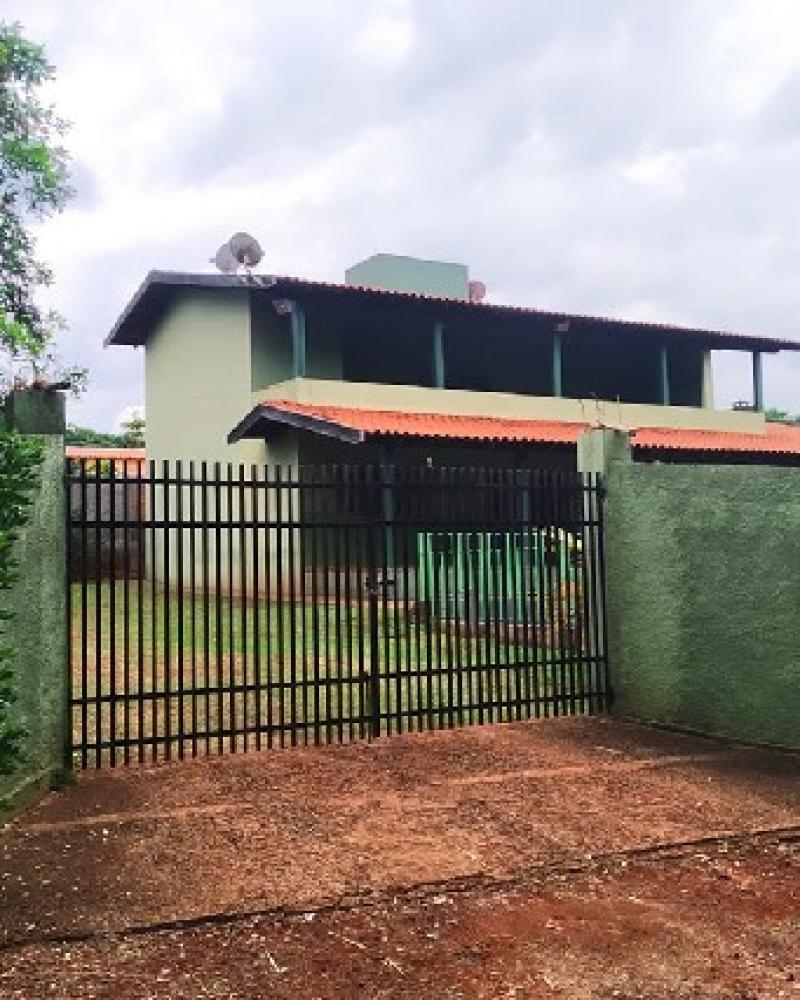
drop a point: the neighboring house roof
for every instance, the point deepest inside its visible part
(149, 302)
(88, 453)
(355, 424)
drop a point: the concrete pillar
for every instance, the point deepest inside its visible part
(36, 633)
(600, 448)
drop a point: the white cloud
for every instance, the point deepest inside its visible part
(617, 158)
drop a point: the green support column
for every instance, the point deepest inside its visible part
(758, 382)
(439, 375)
(665, 376)
(558, 377)
(298, 340)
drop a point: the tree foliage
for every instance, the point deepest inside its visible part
(19, 462)
(33, 184)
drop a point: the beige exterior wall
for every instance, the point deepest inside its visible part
(497, 404)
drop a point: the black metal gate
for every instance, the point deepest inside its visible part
(220, 608)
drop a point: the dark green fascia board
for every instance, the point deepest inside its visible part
(257, 421)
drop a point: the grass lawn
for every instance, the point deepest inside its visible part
(185, 675)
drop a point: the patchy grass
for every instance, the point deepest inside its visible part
(188, 672)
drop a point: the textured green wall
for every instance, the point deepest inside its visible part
(38, 635)
(703, 575)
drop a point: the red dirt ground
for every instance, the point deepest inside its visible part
(370, 842)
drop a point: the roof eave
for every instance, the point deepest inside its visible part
(252, 425)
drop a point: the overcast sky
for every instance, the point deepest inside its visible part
(635, 158)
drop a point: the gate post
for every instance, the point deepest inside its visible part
(37, 634)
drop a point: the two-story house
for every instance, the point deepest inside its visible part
(401, 363)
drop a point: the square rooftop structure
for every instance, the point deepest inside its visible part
(393, 273)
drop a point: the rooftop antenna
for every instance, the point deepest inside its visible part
(241, 250)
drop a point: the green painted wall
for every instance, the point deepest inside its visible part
(38, 635)
(703, 576)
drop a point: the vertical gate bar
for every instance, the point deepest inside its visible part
(126, 637)
(395, 555)
(337, 537)
(231, 687)
(450, 599)
(562, 650)
(360, 542)
(420, 594)
(256, 626)
(304, 610)
(279, 555)
(555, 683)
(193, 599)
(84, 708)
(473, 546)
(292, 517)
(344, 527)
(141, 549)
(323, 497)
(464, 638)
(403, 507)
(243, 607)
(490, 614)
(179, 609)
(508, 568)
(382, 668)
(154, 654)
(167, 584)
(112, 610)
(528, 599)
(454, 651)
(426, 496)
(440, 620)
(307, 516)
(268, 497)
(538, 608)
(98, 613)
(373, 675)
(206, 606)
(218, 614)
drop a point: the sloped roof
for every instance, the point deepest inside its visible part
(356, 424)
(153, 296)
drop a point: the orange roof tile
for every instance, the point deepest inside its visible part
(405, 424)
(778, 439)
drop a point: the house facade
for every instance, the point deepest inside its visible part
(400, 363)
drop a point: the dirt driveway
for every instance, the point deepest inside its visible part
(317, 831)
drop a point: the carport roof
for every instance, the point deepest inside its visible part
(357, 424)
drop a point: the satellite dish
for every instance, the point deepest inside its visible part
(246, 249)
(477, 291)
(241, 250)
(224, 260)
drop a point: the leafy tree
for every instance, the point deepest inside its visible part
(781, 416)
(90, 438)
(33, 184)
(133, 432)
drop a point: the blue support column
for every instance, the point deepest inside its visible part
(758, 382)
(558, 372)
(298, 340)
(439, 374)
(665, 397)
